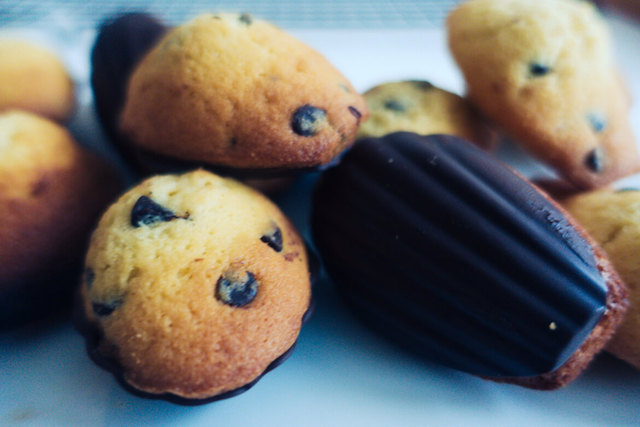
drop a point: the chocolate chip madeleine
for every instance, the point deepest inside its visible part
(237, 95)
(194, 287)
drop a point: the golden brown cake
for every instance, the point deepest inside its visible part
(34, 79)
(544, 71)
(196, 285)
(52, 192)
(233, 91)
(418, 106)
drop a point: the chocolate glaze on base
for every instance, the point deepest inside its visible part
(616, 306)
(93, 336)
(149, 163)
(37, 299)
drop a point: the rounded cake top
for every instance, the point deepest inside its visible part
(31, 146)
(198, 283)
(544, 71)
(235, 91)
(34, 79)
(51, 192)
(420, 107)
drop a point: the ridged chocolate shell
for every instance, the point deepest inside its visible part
(447, 251)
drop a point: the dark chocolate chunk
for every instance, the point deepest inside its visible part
(456, 257)
(394, 105)
(595, 160)
(306, 120)
(538, 70)
(236, 290)
(422, 84)
(245, 18)
(273, 238)
(89, 276)
(103, 309)
(597, 122)
(146, 212)
(357, 114)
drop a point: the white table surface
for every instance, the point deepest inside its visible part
(340, 373)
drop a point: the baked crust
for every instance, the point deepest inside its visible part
(152, 291)
(543, 70)
(229, 91)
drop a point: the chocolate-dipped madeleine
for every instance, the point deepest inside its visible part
(447, 251)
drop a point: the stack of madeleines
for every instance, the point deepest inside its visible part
(194, 285)
(52, 190)
(454, 255)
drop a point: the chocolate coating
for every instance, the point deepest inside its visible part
(445, 250)
(122, 42)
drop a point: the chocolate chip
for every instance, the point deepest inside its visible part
(394, 105)
(595, 160)
(357, 114)
(103, 309)
(233, 141)
(40, 187)
(245, 18)
(422, 84)
(597, 121)
(89, 276)
(146, 212)
(538, 70)
(273, 238)
(237, 291)
(306, 120)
